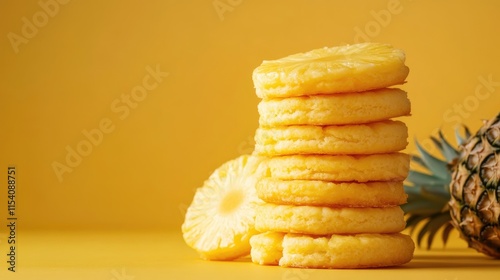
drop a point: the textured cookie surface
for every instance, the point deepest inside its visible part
(342, 108)
(267, 247)
(333, 194)
(359, 168)
(325, 220)
(373, 138)
(350, 68)
(333, 251)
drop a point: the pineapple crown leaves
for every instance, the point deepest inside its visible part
(428, 192)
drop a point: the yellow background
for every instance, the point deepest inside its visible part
(143, 174)
(65, 76)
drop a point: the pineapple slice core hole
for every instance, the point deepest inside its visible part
(231, 201)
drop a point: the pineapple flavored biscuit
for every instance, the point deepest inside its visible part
(339, 168)
(333, 194)
(336, 109)
(372, 138)
(349, 68)
(332, 106)
(335, 251)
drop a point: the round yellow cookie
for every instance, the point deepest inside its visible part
(340, 168)
(349, 68)
(325, 220)
(342, 108)
(266, 247)
(332, 194)
(332, 251)
(372, 138)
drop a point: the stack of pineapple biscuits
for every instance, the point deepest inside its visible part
(334, 171)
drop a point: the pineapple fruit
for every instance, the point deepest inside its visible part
(462, 191)
(220, 220)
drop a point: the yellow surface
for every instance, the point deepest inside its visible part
(83, 69)
(151, 255)
(68, 80)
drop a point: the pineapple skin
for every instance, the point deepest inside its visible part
(475, 190)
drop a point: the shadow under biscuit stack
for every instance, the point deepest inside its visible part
(334, 167)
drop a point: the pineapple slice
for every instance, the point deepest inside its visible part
(349, 68)
(220, 220)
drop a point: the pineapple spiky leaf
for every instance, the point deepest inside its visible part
(461, 140)
(420, 208)
(437, 195)
(420, 178)
(435, 224)
(413, 221)
(446, 233)
(438, 167)
(449, 152)
(418, 160)
(428, 194)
